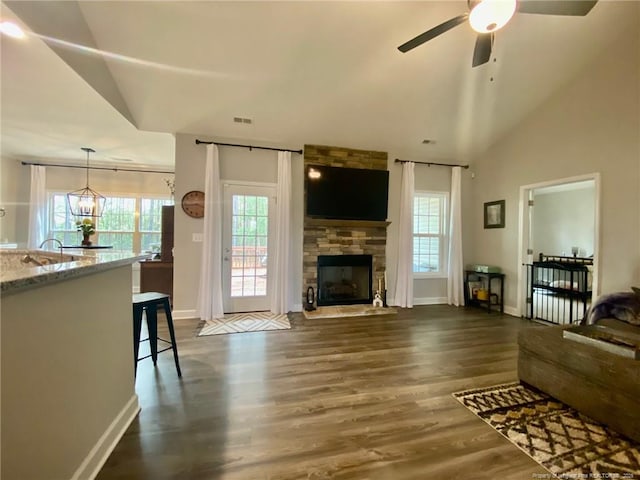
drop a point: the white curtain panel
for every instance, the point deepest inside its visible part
(37, 207)
(455, 282)
(210, 304)
(403, 296)
(280, 277)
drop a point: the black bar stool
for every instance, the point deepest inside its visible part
(150, 301)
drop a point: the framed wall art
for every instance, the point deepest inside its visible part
(494, 214)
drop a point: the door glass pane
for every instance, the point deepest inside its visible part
(250, 227)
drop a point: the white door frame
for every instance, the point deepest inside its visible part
(226, 184)
(523, 233)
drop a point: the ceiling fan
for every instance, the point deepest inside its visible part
(488, 16)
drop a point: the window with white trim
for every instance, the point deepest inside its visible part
(430, 234)
(128, 222)
(150, 222)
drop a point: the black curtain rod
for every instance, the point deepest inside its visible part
(250, 147)
(114, 169)
(432, 163)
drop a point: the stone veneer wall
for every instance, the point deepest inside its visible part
(342, 237)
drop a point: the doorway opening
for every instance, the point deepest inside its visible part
(558, 240)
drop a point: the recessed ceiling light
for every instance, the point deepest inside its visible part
(11, 29)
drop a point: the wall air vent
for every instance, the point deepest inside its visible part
(242, 120)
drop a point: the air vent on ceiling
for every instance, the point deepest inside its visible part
(428, 141)
(242, 120)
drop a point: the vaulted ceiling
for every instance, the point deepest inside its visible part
(123, 77)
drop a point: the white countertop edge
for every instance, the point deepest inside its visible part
(41, 276)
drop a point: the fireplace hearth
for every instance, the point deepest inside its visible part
(344, 279)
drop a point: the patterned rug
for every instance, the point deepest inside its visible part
(566, 443)
(244, 322)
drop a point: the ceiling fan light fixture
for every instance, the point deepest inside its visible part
(490, 15)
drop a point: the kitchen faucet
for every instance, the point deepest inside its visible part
(53, 240)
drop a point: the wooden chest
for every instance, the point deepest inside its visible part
(600, 384)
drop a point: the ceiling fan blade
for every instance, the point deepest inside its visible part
(557, 7)
(434, 32)
(482, 50)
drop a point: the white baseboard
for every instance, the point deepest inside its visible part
(183, 314)
(430, 301)
(94, 461)
(421, 301)
(513, 311)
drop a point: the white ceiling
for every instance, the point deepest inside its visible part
(304, 72)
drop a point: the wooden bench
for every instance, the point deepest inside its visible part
(602, 385)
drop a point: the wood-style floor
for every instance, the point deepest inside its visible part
(350, 398)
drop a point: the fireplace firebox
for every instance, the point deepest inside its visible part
(344, 279)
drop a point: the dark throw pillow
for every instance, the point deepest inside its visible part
(624, 306)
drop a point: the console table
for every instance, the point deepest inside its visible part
(156, 276)
(487, 279)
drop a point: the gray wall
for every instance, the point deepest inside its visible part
(562, 220)
(14, 198)
(434, 178)
(16, 180)
(261, 166)
(236, 164)
(65, 179)
(592, 125)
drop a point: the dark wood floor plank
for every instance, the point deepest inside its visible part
(351, 398)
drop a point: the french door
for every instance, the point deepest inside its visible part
(247, 238)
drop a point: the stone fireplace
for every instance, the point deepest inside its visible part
(332, 238)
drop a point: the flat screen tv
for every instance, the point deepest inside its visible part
(346, 193)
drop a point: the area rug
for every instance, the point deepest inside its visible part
(244, 322)
(566, 443)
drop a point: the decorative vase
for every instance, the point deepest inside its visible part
(85, 240)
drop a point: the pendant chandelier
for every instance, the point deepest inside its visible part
(86, 202)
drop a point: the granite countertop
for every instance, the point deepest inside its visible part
(18, 280)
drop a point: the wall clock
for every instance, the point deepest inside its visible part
(193, 203)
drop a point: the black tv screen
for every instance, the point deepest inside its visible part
(346, 193)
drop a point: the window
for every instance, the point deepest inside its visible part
(429, 234)
(249, 236)
(150, 223)
(62, 224)
(118, 223)
(128, 222)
